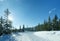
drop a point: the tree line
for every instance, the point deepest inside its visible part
(51, 24)
(48, 25)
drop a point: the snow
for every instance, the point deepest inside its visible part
(32, 36)
(50, 35)
(7, 38)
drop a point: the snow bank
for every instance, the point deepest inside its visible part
(50, 35)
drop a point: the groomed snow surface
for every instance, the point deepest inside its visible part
(32, 36)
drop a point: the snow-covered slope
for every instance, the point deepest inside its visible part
(32, 36)
(50, 35)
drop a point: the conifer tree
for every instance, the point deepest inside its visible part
(23, 28)
(1, 26)
(49, 23)
(55, 22)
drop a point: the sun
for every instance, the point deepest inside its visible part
(10, 17)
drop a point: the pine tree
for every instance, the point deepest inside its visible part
(45, 26)
(1, 26)
(49, 23)
(20, 29)
(59, 24)
(6, 18)
(38, 27)
(8, 23)
(55, 22)
(23, 28)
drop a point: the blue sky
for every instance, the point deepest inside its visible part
(30, 12)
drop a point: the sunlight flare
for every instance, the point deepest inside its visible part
(10, 17)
